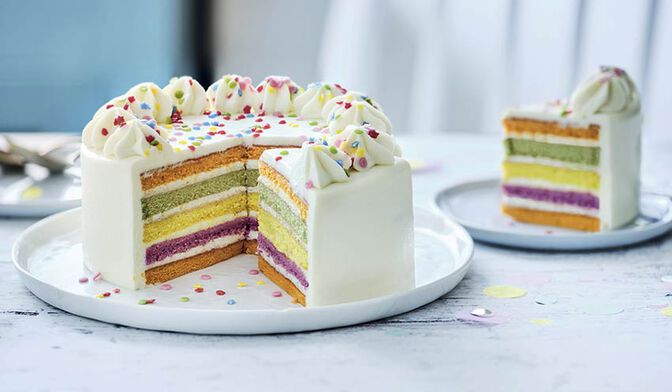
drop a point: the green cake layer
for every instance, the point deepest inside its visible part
(165, 201)
(251, 177)
(282, 210)
(560, 152)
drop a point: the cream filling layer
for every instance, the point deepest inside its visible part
(551, 162)
(196, 203)
(252, 164)
(284, 224)
(545, 206)
(197, 250)
(198, 177)
(553, 139)
(198, 227)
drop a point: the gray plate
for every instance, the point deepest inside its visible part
(476, 206)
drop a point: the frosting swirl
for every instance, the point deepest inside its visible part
(106, 122)
(277, 95)
(609, 91)
(147, 100)
(310, 103)
(366, 146)
(355, 109)
(135, 138)
(233, 94)
(319, 165)
(187, 95)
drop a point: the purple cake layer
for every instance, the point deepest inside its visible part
(160, 251)
(265, 247)
(580, 199)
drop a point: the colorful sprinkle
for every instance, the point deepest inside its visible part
(184, 299)
(231, 302)
(116, 291)
(260, 283)
(146, 301)
(666, 311)
(166, 286)
(253, 272)
(98, 276)
(83, 280)
(504, 291)
(199, 289)
(242, 284)
(276, 294)
(220, 292)
(309, 184)
(206, 277)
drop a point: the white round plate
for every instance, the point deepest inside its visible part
(48, 257)
(38, 193)
(476, 205)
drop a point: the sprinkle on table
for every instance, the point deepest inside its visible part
(199, 289)
(166, 286)
(276, 294)
(116, 290)
(242, 284)
(206, 277)
(260, 283)
(253, 272)
(220, 292)
(83, 280)
(147, 301)
(98, 276)
(184, 299)
(231, 302)
(504, 291)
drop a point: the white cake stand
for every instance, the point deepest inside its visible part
(48, 257)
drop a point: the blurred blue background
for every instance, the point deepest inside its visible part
(434, 65)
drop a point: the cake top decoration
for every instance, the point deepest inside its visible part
(233, 94)
(277, 95)
(187, 95)
(311, 102)
(148, 101)
(135, 138)
(366, 146)
(319, 165)
(355, 109)
(609, 91)
(103, 125)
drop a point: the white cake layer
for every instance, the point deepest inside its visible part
(546, 206)
(197, 250)
(553, 139)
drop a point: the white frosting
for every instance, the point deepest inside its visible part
(187, 95)
(135, 138)
(233, 94)
(105, 123)
(318, 166)
(148, 101)
(366, 146)
(609, 91)
(310, 103)
(354, 109)
(519, 202)
(277, 95)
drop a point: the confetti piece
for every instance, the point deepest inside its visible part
(482, 312)
(199, 289)
(253, 272)
(83, 280)
(98, 276)
(541, 321)
(276, 294)
(231, 302)
(504, 291)
(220, 292)
(146, 301)
(32, 193)
(260, 283)
(166, 286)
(599, 309)
(666, 311)
(184, 299)
(666, 279)
(197, 285)
(117, 290)
(546, 300)
(242, 284)
(206, 277)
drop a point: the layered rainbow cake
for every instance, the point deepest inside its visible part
(575, 164)
(170, 185)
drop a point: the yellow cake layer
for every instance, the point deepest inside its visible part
(583, 179)
(160, 229)
(282, 239)
(253, 201)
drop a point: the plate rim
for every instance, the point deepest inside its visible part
(563, 242)
(426, 293)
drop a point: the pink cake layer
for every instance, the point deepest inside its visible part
(264, 246)
(580, 199)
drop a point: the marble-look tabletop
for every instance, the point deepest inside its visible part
(565, 346)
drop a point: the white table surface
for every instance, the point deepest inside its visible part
(433, 348)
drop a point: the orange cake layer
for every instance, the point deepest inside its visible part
(172, 270)
(281, 281)
(278, 179)
(520, 125)
(251, 247)
(254, 152)
(154, 178)
(549, 218)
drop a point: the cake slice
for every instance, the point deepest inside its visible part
(576, 164)
(330, 232)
